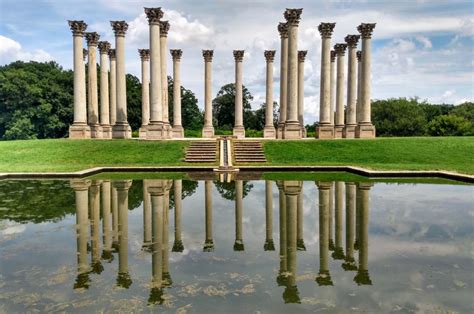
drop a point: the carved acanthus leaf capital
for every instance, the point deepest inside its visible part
(283, 29)
(154, 15)
(239, 55)
(176, 54)
(164, 28)
(119, 27)
(208, 54)
(104, 47)
(112, 54)
(359, 55)
(293, 16)
(269, 55)
(326, 29)
(333, 56)
(302, 55)
(144, 54)
(77, 27)
(340, 49)
(352, 40)
(92, 38)
(366, 29)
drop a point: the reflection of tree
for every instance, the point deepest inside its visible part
(227, 189)
(135, 194)
(124, 280)
(156, 296)
(291, 294)
(188, 189)
(82, 281)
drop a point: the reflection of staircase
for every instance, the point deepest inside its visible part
(246, 151)
(202, 151)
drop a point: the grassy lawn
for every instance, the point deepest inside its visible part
(416, 153)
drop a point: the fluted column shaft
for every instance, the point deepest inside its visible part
(300, 228)
(147, 217)
(81, 190)
(113, 88)
(115, 222)
(178, 206)
(239, 109)
(157, 203)
(339, 206)
(208, 244)
(93, 103)
(208, 129)
(351, 41)
(340, 48)
(106, 216)
(301, 59)
(166, 222)
(178, 131)
(282, 227)
(145, 60)
(324, 277)
(350, 215)
(80, 106)
(104, 90)
(332, 89)
(363, 204)
(325, 96)
(269, 245)
(239, 192)
(269, 55)
(283, 29)
(359, 86)
(122, 187)
(95, 220)
(164, 70)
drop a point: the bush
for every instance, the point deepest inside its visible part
(450, 125)
(192, 133)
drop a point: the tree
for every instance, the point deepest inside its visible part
(223, 106)
(191, 117)
(134, 101)
(465, 110)
(450, 125)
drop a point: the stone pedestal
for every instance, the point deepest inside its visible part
(208, 129)
(79, 131)
(365, 130)
(325, 131)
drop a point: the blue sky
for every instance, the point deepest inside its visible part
(420, 48)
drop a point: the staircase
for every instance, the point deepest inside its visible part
(202, 152)
(246, 151)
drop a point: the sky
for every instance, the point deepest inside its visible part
(419, 48)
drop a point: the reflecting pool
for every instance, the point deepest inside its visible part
(256, 246)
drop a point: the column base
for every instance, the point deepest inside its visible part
(269, 132)
(239, 131)
(279, 130)
(79, 131)
(96, 131)
(178, 132)
(208, 132)
(122, 130)
(349, 131)
(365, 130)
(156, 131)
(168, 130)
(142, 132)
(338, 131)
(106, 131)
(292, 130)
(325, 131)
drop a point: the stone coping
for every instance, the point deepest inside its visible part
(350, 169)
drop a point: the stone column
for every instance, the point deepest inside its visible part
(94, 204)
(167, 281)
(178, 131)
(147, 225)
(349, 262)
(115, 223)
(363, 204)
(300, 215)
(325, 128)
(331, 216)
(93, 102)
(339, 205)
(269, 245)
(106, 221)
(269, 129)
(324, 277)
(301, 58)
(145, 60)
(113, 88)
(208, 129)
(164, 28)
(239, 130)
(332, 89)
(178, 206)
(121, 129)
(79, 128)
(365, 128)
(292, 128)
(351, 122)
(239, 194)
(104, 47)
(155, 128)
(283, 30)
(123, 280)
(81, 191)
(359, 85)
(339, 126)
(209, 243)
(282, 226)
(157, 191)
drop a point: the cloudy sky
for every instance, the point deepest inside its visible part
(420, 48)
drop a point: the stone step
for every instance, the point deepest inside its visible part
(202, 152)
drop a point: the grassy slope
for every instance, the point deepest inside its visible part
(428, 153)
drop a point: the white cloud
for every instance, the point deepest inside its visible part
(11, 50)
(424, 41)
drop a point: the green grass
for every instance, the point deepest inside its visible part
(410, 153)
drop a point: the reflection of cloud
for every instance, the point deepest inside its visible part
(12, 228)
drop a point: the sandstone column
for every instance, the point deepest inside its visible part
(155, 128)
(325, 128)
(351, 122)
(178, 206)
(178, 131)
(359, 85)
(167, 281)
(283, 30)
(363, 277)
(156, 190)
(349, 262)
(164, 28)
(113, 89)
(147, 224)
(301, 58)
(365, 128)
(331, 216)
(209, 243)
(269, 245)
(283, 235)
(145, 59)
(239, 130)
(324, 277)
(123, 280)
(208, 129)
(79, 128)
(93, 103)
(339, 126)
(269, 129)
(338, 211)
(104, 47)
(106, 221)
(239, 192)
(292, 128)
(114, 219)
(121, 129)
(300, 216)
(96, 265)
(332, 89)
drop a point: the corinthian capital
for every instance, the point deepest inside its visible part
(269, 55)
(77, 27)
(293, 16)
(208, 54)
(112, 54)
(340, 49)
(176, 54)
(351, 40)
(154, 15)
(104, 47)
(326, 29)
(333, 56)
(239, 55)
(164, 28)
(359, 55)
(302, 55)
(119, 27)
(92, 38)
(144, 54)
(283, 29)
(366, 29)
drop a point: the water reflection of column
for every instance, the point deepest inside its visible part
(122, 186)
(146, 218)
(239, 191)
(178, 205)
(106, 223)
(300, 238)
(324, 278)
(362, 277)
(166, 211)
(349, 263)
(209, 243)
(339, 205)
(282, 213)
(81, 188)
(114, 219)
(95, 226)
(156, 190)
(330, 216)
(269, 245)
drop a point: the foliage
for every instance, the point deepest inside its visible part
(450, 125)
(223, 106)
(191, 117)
(134, 101)
(227, 189)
